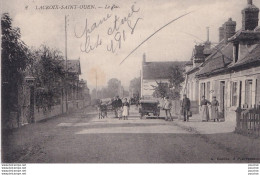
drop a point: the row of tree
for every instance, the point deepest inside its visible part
(112, 89)
(18, 61)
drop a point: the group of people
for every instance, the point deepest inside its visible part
(121, 108)
(166, 105)
(204, 109)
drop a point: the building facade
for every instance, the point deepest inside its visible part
(232, 71)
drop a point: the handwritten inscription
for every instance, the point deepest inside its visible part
(116, 31)
(87, 47)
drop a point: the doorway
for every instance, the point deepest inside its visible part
(222, 99)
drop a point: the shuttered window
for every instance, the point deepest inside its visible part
(248, 93)
(234, 93)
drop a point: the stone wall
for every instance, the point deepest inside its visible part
(19, 119)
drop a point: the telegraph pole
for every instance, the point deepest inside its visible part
(66, 66)
(207, 34)
(96, 84)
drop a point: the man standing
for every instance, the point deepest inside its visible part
(185, 107)
(167, 108)
(118, 106)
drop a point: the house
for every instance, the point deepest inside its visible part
(74, 70)
(153, 73)
(232, 71)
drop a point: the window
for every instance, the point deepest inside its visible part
(235, 51)
(208, 91)
(202, 89)
(234, 95)
(248, 93)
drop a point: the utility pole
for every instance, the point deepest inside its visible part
(96, 84)
(207, 34)
(66, 66)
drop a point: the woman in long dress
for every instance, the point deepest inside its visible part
(126, 107)
(204, 109)
(214, 109)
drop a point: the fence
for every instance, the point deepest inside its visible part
(248, 121)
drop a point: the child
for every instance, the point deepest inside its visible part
(125, 107)
(119, 113)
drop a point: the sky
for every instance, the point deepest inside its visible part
(142, 18)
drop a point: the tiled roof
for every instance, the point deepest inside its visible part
(245, 35)
(252, 57)
(159, 70)
(218, 60)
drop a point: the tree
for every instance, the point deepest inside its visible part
(111, 90)
(176, 80)
(48, 68)
(15, 58)
(173, 89)
(113, 87)
(135, 85)
(176, 74)
(161, 90)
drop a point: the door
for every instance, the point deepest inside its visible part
(240, 95)
(222, 99)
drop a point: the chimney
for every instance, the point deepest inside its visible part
(199, 56)
(250, 16)
(221, 33)
(229, 29)
(144, 58)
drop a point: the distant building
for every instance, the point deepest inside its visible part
(83, 92)
(232, 71)
(153, 73)
(74, 70)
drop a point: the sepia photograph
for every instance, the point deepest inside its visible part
(130, 82)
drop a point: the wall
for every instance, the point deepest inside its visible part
(17, 120)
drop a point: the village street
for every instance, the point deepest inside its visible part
(81, 137)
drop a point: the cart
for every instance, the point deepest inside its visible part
(102, 111)
(148, 107)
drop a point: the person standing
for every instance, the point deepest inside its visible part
(214, 109)
(114, 105)
(126, 108)
(185, 107)
(167, 108)
(118, 106)
(204, 109)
